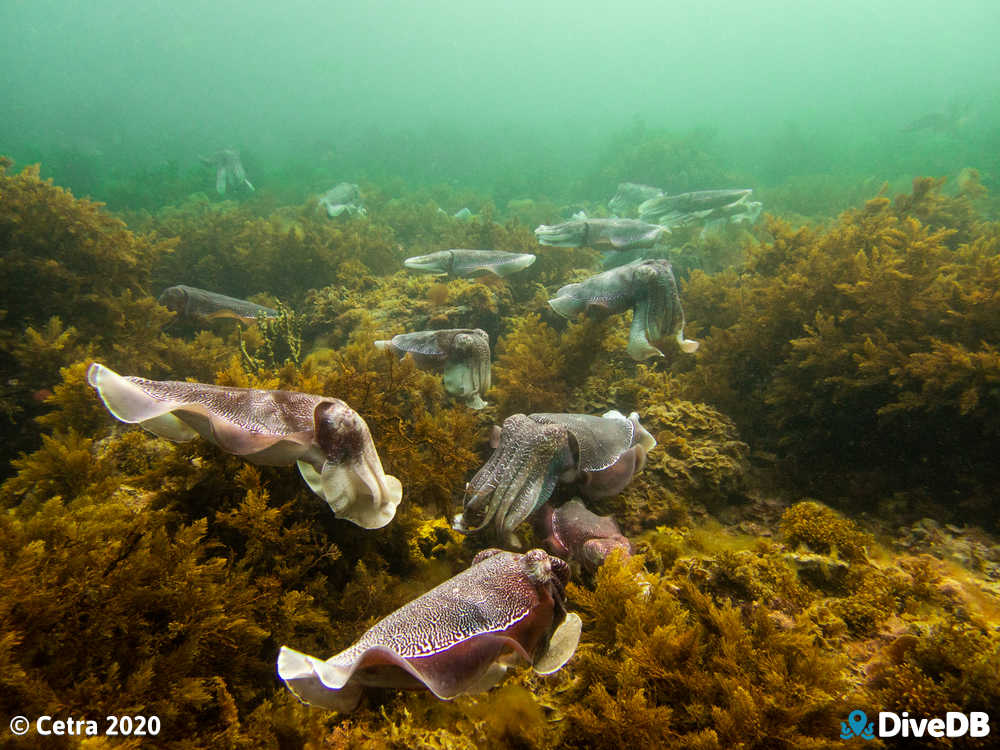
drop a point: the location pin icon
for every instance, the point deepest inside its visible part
(857, 720)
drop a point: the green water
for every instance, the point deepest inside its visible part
(117, 99)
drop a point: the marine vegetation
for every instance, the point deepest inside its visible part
(863, 345)
(76, 284)
(790, 560)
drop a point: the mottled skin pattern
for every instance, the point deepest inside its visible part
(599, 455)
(630, 195)
(573, 532)
(328, 440)
(462, 354)
(462, 262)
(605, 234)
(196, 304)
(229, 171)
(455, 638)
(517, 478)
(648, 287)
(672, 209)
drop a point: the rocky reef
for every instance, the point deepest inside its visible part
(813, 534)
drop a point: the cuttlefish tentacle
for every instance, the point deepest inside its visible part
(329, 441)
(519, 476)
(457, 638)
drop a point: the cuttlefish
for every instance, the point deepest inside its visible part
(648, 287)
(630, 195)
(462, 354)
(344, 197)
(610, 234)
(329, 441)
(461, 262)
(685, 208)
(573, 532)
(457, 638)
(229, 171)
(598, 456)
(201, 305)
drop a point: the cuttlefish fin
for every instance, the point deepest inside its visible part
(129, 403)
(315, 682)
(562, 645)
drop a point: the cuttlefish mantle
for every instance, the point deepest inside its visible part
(329, 441)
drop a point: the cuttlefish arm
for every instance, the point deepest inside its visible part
(439, 263)
(328, 441)
(350, 476)
(568, 234)
(517, 479)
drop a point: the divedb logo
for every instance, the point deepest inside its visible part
(890, 724)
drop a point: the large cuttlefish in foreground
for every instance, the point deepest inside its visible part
(328, 440)
(597, 456)
(457, 638)
(649, 288)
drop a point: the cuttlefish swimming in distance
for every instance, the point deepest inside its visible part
(609, 234)
(461, 354)
(649, 288)
(191, 303)
(462, 262)
(229, 171)
(684, 208)
(630, 195)
(343, 198)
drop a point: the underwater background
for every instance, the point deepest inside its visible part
(816, 531)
